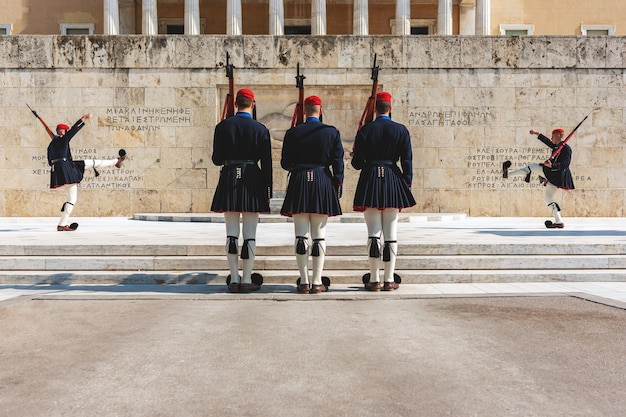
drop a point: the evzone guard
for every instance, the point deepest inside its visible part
(383, 188)
(554, 173)
(313, 154)
(67, 172)
(244, 188)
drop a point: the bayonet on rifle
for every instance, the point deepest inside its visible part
(48, 130)
(558, 150)
(229, 102)
(298, 112)
(370, 106)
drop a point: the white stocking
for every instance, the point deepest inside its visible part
(390, 231)
(549, 198)
(250, 221)
(99, 163)
(301, 227)
(536, 169)
(68, 206)
(318, 233)
(374, 222)
(232, 231)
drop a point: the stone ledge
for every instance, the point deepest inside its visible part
(277, 218)
(332, 51)
(351, 277)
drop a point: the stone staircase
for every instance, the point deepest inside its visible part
(418, 263)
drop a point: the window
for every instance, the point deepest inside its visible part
(297, 26)
(77, 29)
(597, 30)
(418, 26)
(297, 30)
(5, 28)
(516, 30)
(175, 29)
(419, 30)
(176, 26)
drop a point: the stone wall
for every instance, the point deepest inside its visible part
(468, 102)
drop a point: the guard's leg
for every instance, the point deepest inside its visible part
(250, 221)
(549, 199)
(100, 163)
(374, 223)
(318, 251)
(68, 206)
(301, 224)
(527, 170)
(231, 220)
(390, 249)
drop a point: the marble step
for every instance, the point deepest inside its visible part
(405, 249)
(288, 262)
(272, 277)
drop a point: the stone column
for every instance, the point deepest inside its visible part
(444, 17)
(318, 17)
(149, 21)
(111, 17)
(233, 17)
(277, 18)
(403, 17)
(360, 21)
(192, 17)
(483, 22)
(467, 17)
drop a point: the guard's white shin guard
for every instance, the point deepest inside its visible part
(100, 163)
(248, 250)
(556, 211)
(318, 253)
(390, 253)
(233, 267)
(248, 261)
(232, 246)
(374, 261)
(522, 170)
(302, 258)
(68, 206)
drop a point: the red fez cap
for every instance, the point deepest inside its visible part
(559, 129)
(63, 126)
(383, 96)
(244, 92)
(313, 101)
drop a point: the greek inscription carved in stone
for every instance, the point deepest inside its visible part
(450, 117)
(485, 166)
(141, 119)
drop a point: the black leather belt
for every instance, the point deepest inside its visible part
(381, 162)
(308, 166)
(239, 162)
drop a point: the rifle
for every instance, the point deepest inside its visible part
(558, 150)
(50, 132)
(298, 112)
(370, 106)
(229, 102)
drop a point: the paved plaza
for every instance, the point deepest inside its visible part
(476, 349)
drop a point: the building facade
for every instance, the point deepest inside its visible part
(468, 101)
(317, 17)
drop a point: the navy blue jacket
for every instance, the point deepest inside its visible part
(63, 169)
(242, 138)
(384, 140)
(314, 143)
(559, 174)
